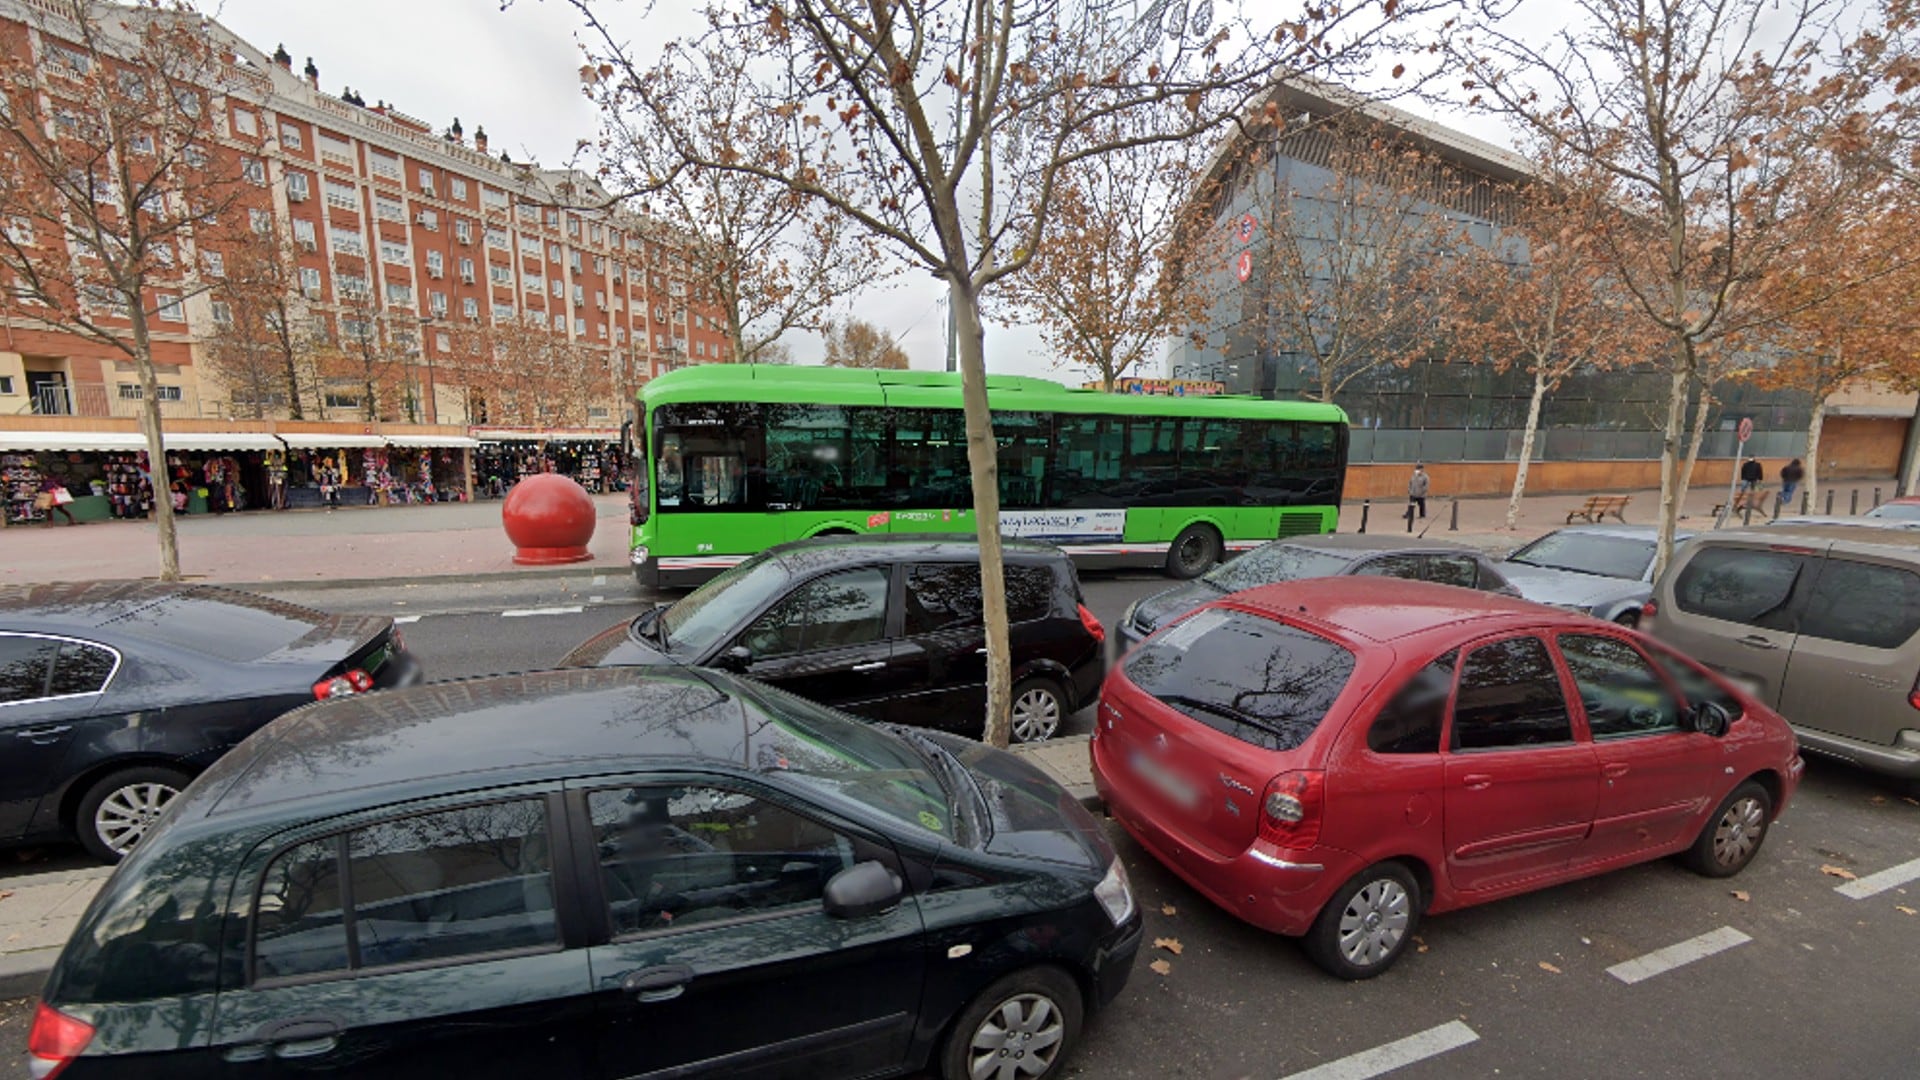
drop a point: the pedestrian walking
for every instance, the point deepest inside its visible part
(1417, 487)
(53, 498)
(1790, 476)
(1751, 473)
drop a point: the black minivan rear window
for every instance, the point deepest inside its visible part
(1260, 681)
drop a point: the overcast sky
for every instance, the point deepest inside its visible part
(515, 72)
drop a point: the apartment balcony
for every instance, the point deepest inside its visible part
(121, 400)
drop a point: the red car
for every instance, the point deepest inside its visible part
(1334, 758)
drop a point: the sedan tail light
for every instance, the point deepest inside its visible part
(1290, 813)
(55, 1040)
(344, 685)
(1092, 624)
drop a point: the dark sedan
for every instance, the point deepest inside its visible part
(113, 695)
(886, 628)
(1330, 555)
(612, 873)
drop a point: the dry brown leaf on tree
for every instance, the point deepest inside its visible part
(1161, 967)
(1172, 945)
(1840, 872)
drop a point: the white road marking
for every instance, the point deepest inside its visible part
(400, 620)
(1661, 961)
(1394, 1055)
(524, 612)
(1875, 884)
(596, 599)
(599, 579)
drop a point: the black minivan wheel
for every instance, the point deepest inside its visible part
(122, 807)
(1020, 1028)
(1038, 707)
(1194, 552)
(1733, 834)
(1367, 924)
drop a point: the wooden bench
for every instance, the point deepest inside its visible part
(1744, 500)
(1597, 507)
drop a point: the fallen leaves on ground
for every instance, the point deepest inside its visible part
(1419, 945)
(1878, 800)
(1840, 872)
(1742, 895)
(1169, 909)
(1172, 945)
(1161, 967)
(1911, 799)
(5, 894)
(1905, 909)
(1544, 966)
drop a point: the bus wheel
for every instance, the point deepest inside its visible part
(1194, 551)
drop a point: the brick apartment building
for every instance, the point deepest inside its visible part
(423, 245)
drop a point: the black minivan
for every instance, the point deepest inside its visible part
(596, 873)
(884, 628)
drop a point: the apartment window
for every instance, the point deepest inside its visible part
(222, 313)
(580, 326)
(297, 186)
(466, 271)
(502, 312)
(698, 322)
(303, 233)
(426, 181)
(600, 331)
(350, 286)
(343, 195)
(6, 385)
(553, 252)
(537, 318)
(430, 220)
(347, 244)
(573, 259)
(388, 209)
(573, 227)
(215, 263)
(437, 303)
(442, 342)
(470, 307)
(393, 253)
(245, 123)
(20, 231)
(463, 231)
(188, 101)
(699, 348)
(660, 342)
(493, 198)
(170, 309)
(598, 234)
(533, 282)
(130, 391)
(497, 238)
(254, 170)
(500, 275)
(600, 299)
(579, 294)
(260, 220)
(400, 294)
(383, 164)
(140, 143)
(599, 264)
(435, 264)
(310, 281)
(290, 136)
(527, 212)
(72, 61)
(457, 188)
(338, 149)
(553, 218)
(530, 246)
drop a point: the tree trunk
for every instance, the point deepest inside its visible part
(156, 443)
(1694, 439)
(983, 465)
(1812, 463)
(1526, 448)
(293, 384)
(1670, 461)
(1910, 472)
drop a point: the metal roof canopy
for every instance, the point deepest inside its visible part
(333, 442)
(435, 442)
(219, 441)
(57, 441)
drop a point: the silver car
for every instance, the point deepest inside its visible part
(1822, 622)
(1601, 570)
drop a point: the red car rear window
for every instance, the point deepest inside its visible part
(1260, 681)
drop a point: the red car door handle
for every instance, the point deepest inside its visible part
(1614, 769)
(1477, 781)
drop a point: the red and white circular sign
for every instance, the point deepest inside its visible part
(1247, 225)
(1746, 423)
(1243, 266)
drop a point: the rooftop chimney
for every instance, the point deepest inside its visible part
(313, 74)
(480, 139)
(283, 58)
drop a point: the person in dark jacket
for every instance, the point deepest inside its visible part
(1790, 476)
(1417, 488)
(1751, 473)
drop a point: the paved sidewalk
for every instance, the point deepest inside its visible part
(37, 912)
(1066, 760)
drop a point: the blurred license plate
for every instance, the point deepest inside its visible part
(1163, 780)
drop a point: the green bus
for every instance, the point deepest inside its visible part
(733, 459)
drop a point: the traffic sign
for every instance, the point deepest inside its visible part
(1746, 428)
(1243, 267)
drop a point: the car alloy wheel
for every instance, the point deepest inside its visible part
(1374, 921)
(127, 813)
(1036, 714)
(1739, 830)
(1020, 1038)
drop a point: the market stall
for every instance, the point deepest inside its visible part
(590, 456)
(103, 472)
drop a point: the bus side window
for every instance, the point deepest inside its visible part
(672, 471)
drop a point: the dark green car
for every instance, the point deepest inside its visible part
(603, 873)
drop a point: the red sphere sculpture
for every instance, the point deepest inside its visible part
(550, 520)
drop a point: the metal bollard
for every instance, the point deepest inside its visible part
(1829, 502)
(1876, 497)
(1365, 507)
(1806, 500)
(1854, 506)
(1746, 514)
(1409, 517)
(1453, 525)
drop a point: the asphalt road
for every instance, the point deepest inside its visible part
(1810, 982)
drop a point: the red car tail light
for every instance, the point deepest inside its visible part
(348, 684)
(55, 1040)
(1092, 624)
(1649, 609)
(1291, 811)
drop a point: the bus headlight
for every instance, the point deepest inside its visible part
(638, 556)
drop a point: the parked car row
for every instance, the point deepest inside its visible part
(769, 781)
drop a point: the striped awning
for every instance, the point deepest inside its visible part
(333, 442)
(15, 441)
(434, 442)
(251, 440)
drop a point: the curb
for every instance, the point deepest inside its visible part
(330, 584)
(24, 974)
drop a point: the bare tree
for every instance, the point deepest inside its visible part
(114, 166)
(859, 344)
(530, 376)
(941, 128)
(262, 350)
(372, 348)
(1711, 121)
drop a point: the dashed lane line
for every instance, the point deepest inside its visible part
(1394, 1055)
(524, 612)
(1661, 961)
(402, 620)
(1875, 884)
